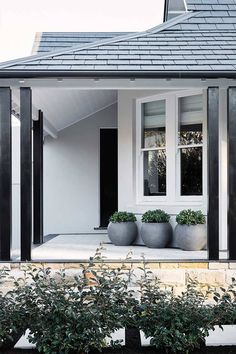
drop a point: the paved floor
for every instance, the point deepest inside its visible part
(79, 247)
(83, 246)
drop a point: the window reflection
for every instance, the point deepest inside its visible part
(191, 171)
(154, 131)
(155, 173)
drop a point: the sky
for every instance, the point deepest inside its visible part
(21, 19)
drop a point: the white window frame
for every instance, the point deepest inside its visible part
(191, 198)
(173, 196)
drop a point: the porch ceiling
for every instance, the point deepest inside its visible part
(65, 107)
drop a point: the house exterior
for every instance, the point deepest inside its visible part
(162, 100)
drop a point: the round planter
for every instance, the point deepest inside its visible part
(190, 237)
(156, 235)
(122, 233)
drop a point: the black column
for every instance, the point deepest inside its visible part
(5, 174)
(213, 172)
(232, 173)
(26, 172)
(38, 178)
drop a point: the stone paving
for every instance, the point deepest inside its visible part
(83, 246)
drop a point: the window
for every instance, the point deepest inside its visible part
(170, 144)
(190, 144)
(153, 148)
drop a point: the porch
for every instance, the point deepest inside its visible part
(65, 196)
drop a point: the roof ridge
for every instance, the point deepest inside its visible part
(163, 26)
(88, 32)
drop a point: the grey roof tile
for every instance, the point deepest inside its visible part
(50, 41)
(198, 41)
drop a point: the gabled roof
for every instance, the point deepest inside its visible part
(49, 41)
(202, 40)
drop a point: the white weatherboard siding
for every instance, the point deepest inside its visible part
(71, 175)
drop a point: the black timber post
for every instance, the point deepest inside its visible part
(38, 179)
(5, 174)
(26, 172)
(213, 172)
(232, 173)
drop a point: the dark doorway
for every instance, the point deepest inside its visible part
(108, 175)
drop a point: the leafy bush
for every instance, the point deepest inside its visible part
(13, 317)
(190, 217)
(176, 324)
(79, 313)
(225, 305)
(155, 216)
(122, 216)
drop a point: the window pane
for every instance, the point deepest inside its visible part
(191, 171)
(154, 117)
(155, 173)
(190, 120)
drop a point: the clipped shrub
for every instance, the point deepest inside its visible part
(190, 217)
(225, 305)
(79, 313)
(175, 324)
(155, 216)
(13, 315)
(122, 216)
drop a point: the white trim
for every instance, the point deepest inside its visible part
(173, 196)
(153, 149)
(140, 198)
(191, 198)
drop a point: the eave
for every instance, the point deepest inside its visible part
(117, 74)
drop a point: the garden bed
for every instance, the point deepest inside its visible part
(144, 350)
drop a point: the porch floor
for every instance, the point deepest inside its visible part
(76, 247)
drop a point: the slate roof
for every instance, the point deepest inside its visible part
(49, 41)
(203, 39)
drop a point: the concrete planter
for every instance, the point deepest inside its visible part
(122, 233)
(156, 235)
(190, 237)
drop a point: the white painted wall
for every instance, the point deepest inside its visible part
(127, 194)
(71, 175)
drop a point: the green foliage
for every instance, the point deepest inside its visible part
(190, 217)
(155, 216)
(176, 324)
(122, 216)
(78, 313)
(225, 308)
(13, 317)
